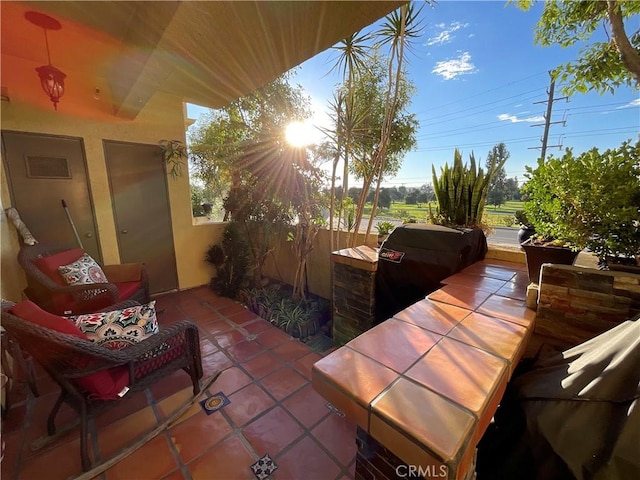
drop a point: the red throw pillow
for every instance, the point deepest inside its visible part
(104, 385)
(49, 265)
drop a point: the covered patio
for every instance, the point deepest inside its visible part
(273, 407)
(131, 66)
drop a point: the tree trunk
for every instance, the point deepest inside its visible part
(332, 205)
(360, 210)
(390, 111)
(629, 56)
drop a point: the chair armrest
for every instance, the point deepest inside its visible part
(178, 341)
(126, 272)
(77, 290)
(89, 297)
(185, 329)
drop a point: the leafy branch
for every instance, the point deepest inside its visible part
(174, 153)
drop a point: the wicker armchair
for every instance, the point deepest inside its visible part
(69, 359)
(126, 282)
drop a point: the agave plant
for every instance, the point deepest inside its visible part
(461, 191)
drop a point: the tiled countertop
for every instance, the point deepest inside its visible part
(427, 382)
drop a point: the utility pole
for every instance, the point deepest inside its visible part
(547, 118)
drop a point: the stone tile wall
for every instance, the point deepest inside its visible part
(354, 292)
(376, 462)
(576, 304)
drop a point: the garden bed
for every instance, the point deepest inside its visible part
(300, 319)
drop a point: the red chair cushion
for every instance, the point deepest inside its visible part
(103, 385)
(127, 289)
(49, 265)
(29, 311)
(107, 384)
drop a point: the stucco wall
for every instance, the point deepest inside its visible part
(162, 118)
(281, 265)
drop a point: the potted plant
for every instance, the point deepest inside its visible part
(590, 200)
(207, 208)
(384, 229)
(527, 230)
(174, 153)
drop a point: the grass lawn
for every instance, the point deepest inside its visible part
(506, 208)
(501, 216)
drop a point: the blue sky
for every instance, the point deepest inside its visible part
(478, 76)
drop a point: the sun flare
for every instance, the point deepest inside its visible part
(300, 134)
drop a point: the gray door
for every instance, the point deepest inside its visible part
(42, 171)
(140, 199)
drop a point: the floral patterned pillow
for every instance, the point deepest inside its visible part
(119, 328)
(83, 271)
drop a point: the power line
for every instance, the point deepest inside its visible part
(474, 128)
(500, 87)
(466, 112)
(503, 123)
(600, 106)
(591, 133)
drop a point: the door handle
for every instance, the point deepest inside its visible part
(88, 235)
(124, 231)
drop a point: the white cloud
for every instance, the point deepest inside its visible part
(632, 103)
(450, 69)
(440, 39)
(445, 34)
(515, 119)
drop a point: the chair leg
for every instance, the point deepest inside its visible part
(196, 384)
(51, 421)
(195, 381)
(84, 440)
(196, 371)
(31, 377)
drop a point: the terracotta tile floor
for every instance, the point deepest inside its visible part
(273, 410)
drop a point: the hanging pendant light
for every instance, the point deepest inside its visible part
(51, 78)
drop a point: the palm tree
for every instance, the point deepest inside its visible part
(353, 52)
(399, 28)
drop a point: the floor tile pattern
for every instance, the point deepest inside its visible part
(268, 407)
(214, 403)
(264, 467)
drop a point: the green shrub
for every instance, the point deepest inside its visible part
(231, 259)
(589, 200)
(384, 228)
